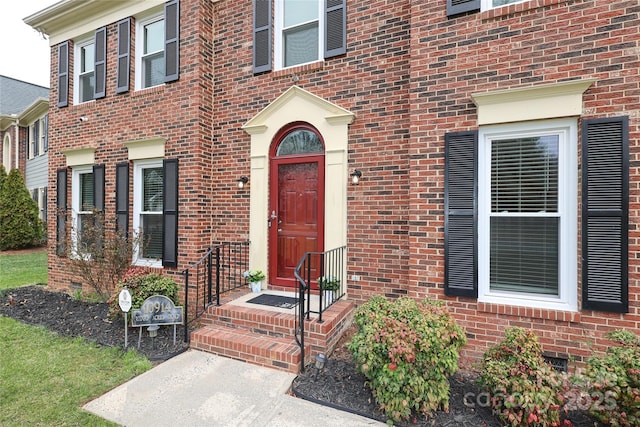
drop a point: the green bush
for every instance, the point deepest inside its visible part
(20, 224)
(612, 381)
(142, 284)
(525, 390)
(406, 349)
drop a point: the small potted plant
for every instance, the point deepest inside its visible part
(329, 286)
(255, 278)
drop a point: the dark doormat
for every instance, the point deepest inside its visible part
(274, 301)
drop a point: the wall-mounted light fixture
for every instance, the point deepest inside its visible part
(356, 175)
(242, 181)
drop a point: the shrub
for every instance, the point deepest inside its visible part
(525, 390)
(142, 284)
(406, 349)
(20, 224)
(101, 254)
(613, 381)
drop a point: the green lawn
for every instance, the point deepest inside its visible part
(23, 269)
(47, 378)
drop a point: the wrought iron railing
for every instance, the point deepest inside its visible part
(219, 270)
(315, 272)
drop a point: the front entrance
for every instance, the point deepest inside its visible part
(296, 207)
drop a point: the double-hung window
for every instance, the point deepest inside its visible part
(82, 200)
(151, 45)
(298, 29)
(527, 214)
(85, 76)
(490, 4)
(148, 211)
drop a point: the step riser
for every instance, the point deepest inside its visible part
(259, 321)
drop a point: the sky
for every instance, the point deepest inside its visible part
(24, 53)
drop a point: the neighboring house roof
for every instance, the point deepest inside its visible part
(21, 100)
(16, 95)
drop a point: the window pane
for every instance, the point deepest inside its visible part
(301, 45)
(151, 235)
(153, 70)
(524, 254)
(154, 37)
(152, 190)
(84, 232)
(87, 82)
(524, 175)
(87, 58)
(300, 142)
(300, 11)
(86, 192)
(497, 3)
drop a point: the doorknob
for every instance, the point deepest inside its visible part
(273, 215)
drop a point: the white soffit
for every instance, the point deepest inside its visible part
(146, 149)
(80, 156)
(531, 103)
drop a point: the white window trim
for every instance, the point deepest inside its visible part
(567, 131)
(75, 204)
(42, 133)
(77, 57)
(6, 152)
(140, 24)
(138, 167)
(278, 44)
(488, 4)
(32, 126)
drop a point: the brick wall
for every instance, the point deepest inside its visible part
(176, 111)
(529, 43)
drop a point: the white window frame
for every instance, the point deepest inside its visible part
(140, 24)
(43, 134)
(566, 129)
(77, 65)
(75, 204)
(488, 4)
(278, 48)
(6, 152)
(31, 141)
(138, 167)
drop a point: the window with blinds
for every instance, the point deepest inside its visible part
(527, 214)
(524, 215)
(84, 216)
(151, 213)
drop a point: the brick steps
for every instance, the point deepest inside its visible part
(266, 337)
(273, 352)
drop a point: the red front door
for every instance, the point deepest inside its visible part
(297, 214)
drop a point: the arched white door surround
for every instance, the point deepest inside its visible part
(6, 153)
(332, 122)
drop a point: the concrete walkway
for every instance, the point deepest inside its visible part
(201, 389)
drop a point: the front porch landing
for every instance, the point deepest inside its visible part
(264, 335)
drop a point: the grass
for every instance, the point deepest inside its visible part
(23, 269)
(47, 378)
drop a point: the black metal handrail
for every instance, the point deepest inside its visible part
(319, 268)
(222, 264)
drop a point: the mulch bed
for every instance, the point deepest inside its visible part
(338, 385)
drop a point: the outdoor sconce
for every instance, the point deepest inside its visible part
(355, 176)
(321, 360)
(242, 181)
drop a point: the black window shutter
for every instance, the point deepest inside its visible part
(46, 132)
(35, 147)
(461, 214)
(124, 50)
(456, 7)
(261, 35)
(605, 214)
(172, 40)
(98, 187)
(122, 197)
(170, 213)
(335, 41)
(63, 74)
(100, 71)
(61, 211)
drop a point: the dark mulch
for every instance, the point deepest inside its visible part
(338, 384)
(68, 316)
